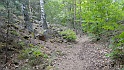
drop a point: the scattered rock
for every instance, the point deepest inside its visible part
(42, 37)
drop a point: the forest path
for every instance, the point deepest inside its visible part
(83, 55)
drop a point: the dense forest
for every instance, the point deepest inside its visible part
(61, 34)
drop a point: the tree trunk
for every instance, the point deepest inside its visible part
(74, 16)
(43, 16)
(80, 23)
(26, 10)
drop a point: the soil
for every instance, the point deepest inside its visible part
(83, 55)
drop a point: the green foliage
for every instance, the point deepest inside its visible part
(1, 6)
(21, 43)
(100, 16)
(45, 56)
(53, 9)
(68, 34)
(117, 47)
(33, 54)
(49, 68)
(59, 10)
(14, 32)
(122, 69)
(31, 45)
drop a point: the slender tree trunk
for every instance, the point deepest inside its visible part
(7, 30)
(30, 11)
(43, 15)
(74, 15)
(80, 23)
(26, 10)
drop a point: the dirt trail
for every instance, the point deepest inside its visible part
(83, 55)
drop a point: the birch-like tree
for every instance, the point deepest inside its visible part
(74, 13)
(43, 15)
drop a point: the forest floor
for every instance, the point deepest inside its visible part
(83, 54)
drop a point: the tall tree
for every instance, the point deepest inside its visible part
(8, 28)
(80, 18)
(26, 10)
(74, 14)
(43, 15)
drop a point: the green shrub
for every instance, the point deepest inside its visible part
(69, 35)
(34, 54)
(117, 47)
(1, 6)
(14, 32)
(21, 44)
(122, 69)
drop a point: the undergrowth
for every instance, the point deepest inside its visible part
(34, 55)
(69, 35)
(117, 46)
